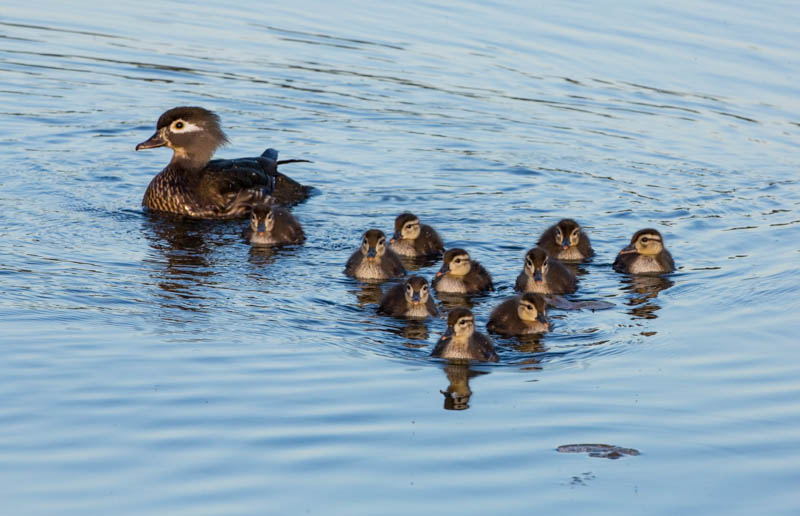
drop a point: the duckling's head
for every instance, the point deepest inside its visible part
(373, 245)
(455, 262)
(567, 233)
(532, 308)
(193, 133)
(536, 263)
(262, 219)
(460, 323)
(417, 290)
(645, 241)
(406, 227)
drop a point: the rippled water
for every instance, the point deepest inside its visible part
(154, 365)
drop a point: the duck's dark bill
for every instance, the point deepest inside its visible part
(155, 141)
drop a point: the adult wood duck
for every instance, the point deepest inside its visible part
(194, 185)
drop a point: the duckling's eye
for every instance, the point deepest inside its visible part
(364, 242)
(424, 288)
(409, 288)
(645, 240)
(178, 125)
(545, 263)
(457, 260)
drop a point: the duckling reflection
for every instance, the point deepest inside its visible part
(374, 260)
(462, 342)
(644, 290)
(412, 329)
(367, 294)
(458, 393)
(412, 238)
(566, 241)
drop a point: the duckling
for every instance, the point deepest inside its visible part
(461, 341)
(374, 260)
(461, 275)
(411, 299)
(272, 225)
(414, 239)
(544, 274)
(566, 241)
(520, 315)
(645, 254)
(194, 185)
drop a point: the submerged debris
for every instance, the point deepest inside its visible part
(605, 451)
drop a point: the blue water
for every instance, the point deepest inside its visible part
(160, 366)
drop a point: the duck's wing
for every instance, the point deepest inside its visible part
(230, 187)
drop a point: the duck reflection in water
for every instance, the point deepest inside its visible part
(183, 269)
(643, 293)
(458, 393)
(367, 293)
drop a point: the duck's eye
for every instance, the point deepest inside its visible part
(178, 125)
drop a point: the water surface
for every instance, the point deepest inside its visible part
(158, 365)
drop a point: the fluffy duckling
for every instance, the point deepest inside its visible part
(461, 275)
(520, 315)
(645, 254)
(566, 241)
(414, 239)
(194, 185)
(410, 299)
(374, 260)
(544, 274)
(461, 341)
(272, 225)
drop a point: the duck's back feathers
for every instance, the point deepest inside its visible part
(428, 242)
(483, 347)
(478, 279)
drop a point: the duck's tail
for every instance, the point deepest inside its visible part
(273, 155)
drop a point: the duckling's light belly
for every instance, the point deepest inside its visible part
(571, 254)
(644, 265)
(458, 350)
(263, 239)
(419, 311)
(370, 270)
(451, 285)
(538, 287)
(403, 248)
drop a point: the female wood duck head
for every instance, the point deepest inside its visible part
(193, 133)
